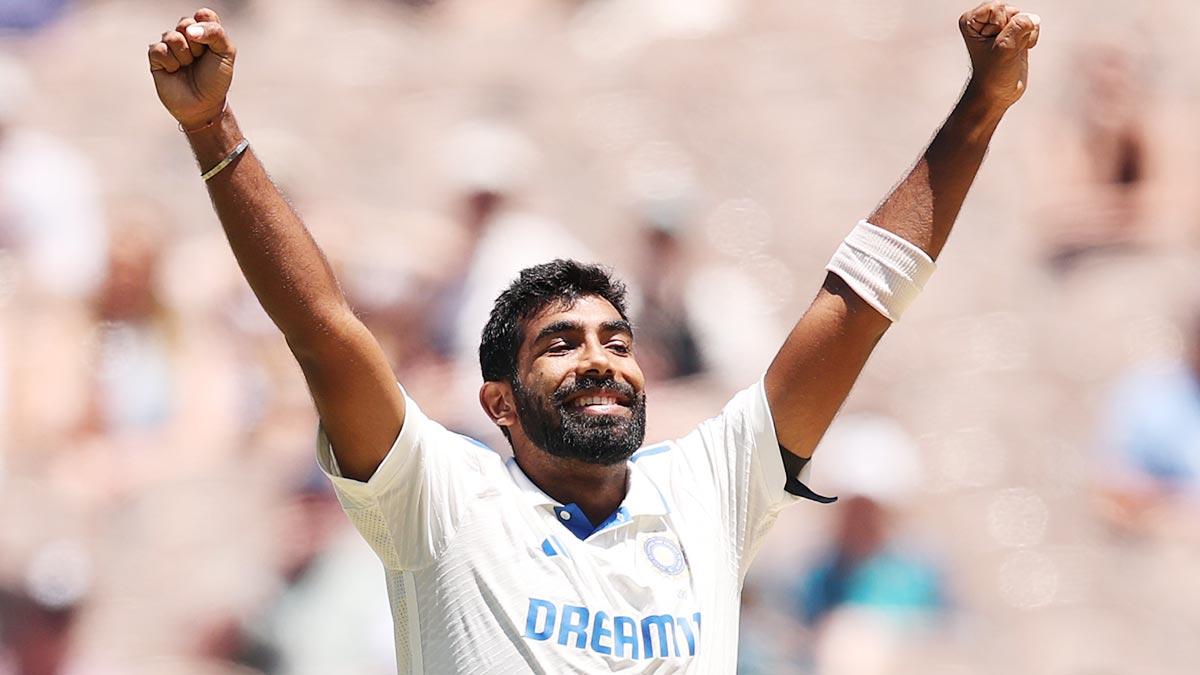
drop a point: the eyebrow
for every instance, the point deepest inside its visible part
(567, 326)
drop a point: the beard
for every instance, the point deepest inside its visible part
(570, 433)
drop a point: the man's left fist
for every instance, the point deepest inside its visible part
(999, 37)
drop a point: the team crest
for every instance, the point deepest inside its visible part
(665, 555)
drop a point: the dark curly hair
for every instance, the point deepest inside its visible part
(559, 282)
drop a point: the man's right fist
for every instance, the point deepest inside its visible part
(192, 66)
(999, 37)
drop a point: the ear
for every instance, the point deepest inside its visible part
(498, 402)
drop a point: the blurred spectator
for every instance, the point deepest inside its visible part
(481, 201)
(1151, 440)
(871, 584)
(770, 638)
(37, 619)
(50, 216)
(328, 617)
(872, 464)
(1104, 209)
(53, 242)
(868, 567)
(133, 346)
(34, 638)
(29, 15)
(872, 589)
(490, 162)
(668, 347)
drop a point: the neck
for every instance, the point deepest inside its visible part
(596, 490)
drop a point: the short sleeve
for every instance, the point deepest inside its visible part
(738, 454)
(411, 507)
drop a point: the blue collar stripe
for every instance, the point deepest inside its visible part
(581, 527)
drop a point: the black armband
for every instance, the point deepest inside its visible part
(792, 465)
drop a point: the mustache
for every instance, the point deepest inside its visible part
(585, 385)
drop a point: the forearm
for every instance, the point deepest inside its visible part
(279, 258)
(923, 207)
(820, 361)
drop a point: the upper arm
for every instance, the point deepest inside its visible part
(355, 392)
(814, 370)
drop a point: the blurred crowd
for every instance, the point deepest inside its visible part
(1018, 469)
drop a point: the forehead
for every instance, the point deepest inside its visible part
(589, 311)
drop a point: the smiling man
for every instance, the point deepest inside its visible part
(582, 553)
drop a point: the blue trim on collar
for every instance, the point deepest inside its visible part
(572, 518)
(650, 451)
(618, 517)
(578, 524)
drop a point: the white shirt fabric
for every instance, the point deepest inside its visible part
(487, 574)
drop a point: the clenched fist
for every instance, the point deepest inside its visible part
(999, 37)
(192, 66)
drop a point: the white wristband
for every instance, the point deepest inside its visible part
(884, 269)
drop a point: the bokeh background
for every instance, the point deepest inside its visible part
(1019, 466)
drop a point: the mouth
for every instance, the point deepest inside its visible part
(599, 402)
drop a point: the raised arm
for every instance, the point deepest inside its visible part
(353, 386)
(822, 357)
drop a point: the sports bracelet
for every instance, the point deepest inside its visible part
(241, 147)
(884, 269)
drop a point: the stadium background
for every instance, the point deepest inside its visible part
(158, 508)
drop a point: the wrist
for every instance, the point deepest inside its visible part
(977, 115)
(191, 124)
(214, 141)
(984, 103)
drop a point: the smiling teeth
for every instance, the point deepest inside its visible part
(595, 400)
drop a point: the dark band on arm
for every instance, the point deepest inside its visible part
(792, 465)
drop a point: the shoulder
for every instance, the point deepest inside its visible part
(472, 452)
(667, 462)
(660, 461)
(654, 450)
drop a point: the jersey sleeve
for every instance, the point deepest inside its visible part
(737, 455)
(418, 497)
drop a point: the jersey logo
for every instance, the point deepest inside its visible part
(665, 555)
(616, 635)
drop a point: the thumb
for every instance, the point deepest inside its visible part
(211, 34)
(1020, 33)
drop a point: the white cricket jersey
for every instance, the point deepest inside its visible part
(487, 574)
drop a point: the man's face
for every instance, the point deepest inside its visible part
(579, 390)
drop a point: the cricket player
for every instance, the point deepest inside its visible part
(582, 553)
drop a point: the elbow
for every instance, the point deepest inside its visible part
(323, 334)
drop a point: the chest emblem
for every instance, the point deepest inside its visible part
(665, 555)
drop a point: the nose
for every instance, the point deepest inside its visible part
(595, 360)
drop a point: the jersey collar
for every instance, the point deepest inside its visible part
(642, 498)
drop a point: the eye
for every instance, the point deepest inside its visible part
(619, 347)
(558, 347)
